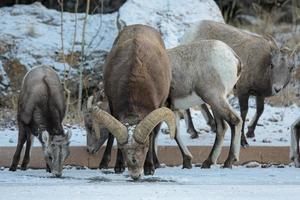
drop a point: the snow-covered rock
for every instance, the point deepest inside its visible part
(31, 34)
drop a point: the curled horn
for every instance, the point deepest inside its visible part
(145, 127)
(90, 102)
(114, 126)
(270, 38)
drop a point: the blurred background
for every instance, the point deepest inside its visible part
(279, 18)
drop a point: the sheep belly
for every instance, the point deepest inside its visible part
(188, 101)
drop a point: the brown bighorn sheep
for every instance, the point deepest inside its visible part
(137, 77)
(41, 110)
(93, 137)
(97, 134)
(266, 67)
(206, 71)
(294, 149)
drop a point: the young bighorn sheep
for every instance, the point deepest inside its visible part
(93, 137)
(266, 67)
(294, 149)
(137, 77)
(41, 110)
(205, 72)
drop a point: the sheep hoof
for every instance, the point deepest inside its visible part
(206, 164)
(194, 135)
(228, 163)
(213, 126)
(119, 169)
(250, 134)
(187, 163)
(104, 164)
(244, 143)
(23, 167)
(13, 168)
(149, 170)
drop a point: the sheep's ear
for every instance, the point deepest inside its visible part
(45, 137)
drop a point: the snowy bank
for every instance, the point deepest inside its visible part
(34, 33)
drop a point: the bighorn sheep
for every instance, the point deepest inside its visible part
(294, 149)
(41, 110)
(266, 67)
(93, 137)
(206, 71)
(137, 77)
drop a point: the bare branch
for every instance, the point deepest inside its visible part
(82, 57)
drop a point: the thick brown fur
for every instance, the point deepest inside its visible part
(137, 77)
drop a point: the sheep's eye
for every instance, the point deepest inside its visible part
(272, 66)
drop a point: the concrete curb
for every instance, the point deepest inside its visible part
(170, 155)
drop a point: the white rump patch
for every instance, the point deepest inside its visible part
(226, 64)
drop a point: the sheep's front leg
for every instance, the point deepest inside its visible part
(107, 153)
(149, 167)
(294, 148)
(21, 141)
(259, 111)
(119, 166)
(186, 155)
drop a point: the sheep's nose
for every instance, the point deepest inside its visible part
(277, 89)
(57, 174)
(134, 161)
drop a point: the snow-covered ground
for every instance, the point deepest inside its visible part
(273, 129)
(167, 183)
(35, 32)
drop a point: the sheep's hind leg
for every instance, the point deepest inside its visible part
(235, 124)
(26, 158)
(186, 155)
(217, 147)
(243, 101)
(21, 141)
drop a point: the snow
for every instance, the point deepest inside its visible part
(36, 33)
(273, 129)
(167, 183)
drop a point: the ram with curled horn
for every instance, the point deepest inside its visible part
(137, 76)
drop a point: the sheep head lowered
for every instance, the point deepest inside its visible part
(137, 77)
(133, 139)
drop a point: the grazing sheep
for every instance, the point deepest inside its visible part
(266, 67)
(205, 72)
(137, 77)
(41, 109)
